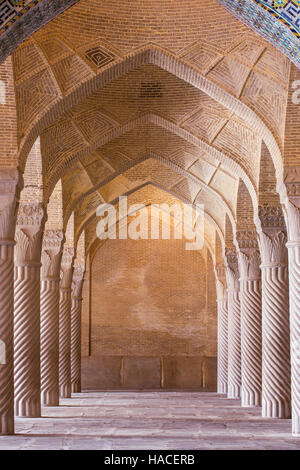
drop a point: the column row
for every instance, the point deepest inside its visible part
(40, 311)
(254, 324)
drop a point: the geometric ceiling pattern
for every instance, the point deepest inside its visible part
(156, 107)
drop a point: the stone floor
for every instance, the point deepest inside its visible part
(121, 420)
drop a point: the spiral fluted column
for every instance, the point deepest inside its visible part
(292, 205)
(9, 191)
(30, 224)
(250, 285)
(222, 346)
(50, 278)
(6, 337)
(294, 290)
(76, 327)
(294, 270)
(65, 323)
(276, 375)
(234, 326)
(222, 330)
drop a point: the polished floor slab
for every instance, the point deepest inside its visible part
(119, 420)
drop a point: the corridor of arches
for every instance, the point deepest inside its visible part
(177, 107)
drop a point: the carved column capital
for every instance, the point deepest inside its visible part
(77, 281)
(51, 254)
(292, 203)
(31, 220)
(10, 186)
(248, 256)
(249, 265)
(292, 206)
(273, 236)
(232, 269)
(67, 268)
(220, 272)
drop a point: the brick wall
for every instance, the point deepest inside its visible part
(152, 324)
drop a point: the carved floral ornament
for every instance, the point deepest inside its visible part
(50, 265)
(273, 249)
(249, 265)
(67, 258)
(28, 247)
(53, 239)
(51, 253)
(271, 216)
(77, 280)
(30, 214)
(232, 269)
(247, 239)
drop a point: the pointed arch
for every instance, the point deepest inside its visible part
(156, 56)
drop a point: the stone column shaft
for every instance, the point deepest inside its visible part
(6, 337)
(291, 200)
(276, 395)
(292, 207)
(234, 327)
(294, 270)
(222, 330)
(65, 323)
(76, 345)
(222, 346)
(276, 374)
(251, 317)
(27, 310)
(9, 191)
(65, 343)
(77, 284)
(50, 277)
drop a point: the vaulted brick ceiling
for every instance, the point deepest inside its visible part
(168, 100)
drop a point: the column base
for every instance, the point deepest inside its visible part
(275, 409)
(296, 424)
(234, 391)
(65, 391)
(76, 387)
(250, 399)
(30, 409)
(50, 399)
(222, 389)
(7, 425)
